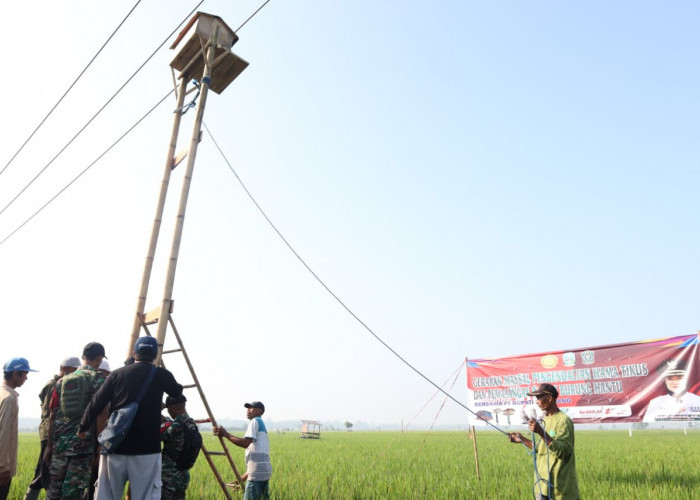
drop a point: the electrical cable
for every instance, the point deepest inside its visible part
(445, 399)
(455, 374)
(190, 105)
(70, 87)
(332, 294)
(87, 168)
(539, 479)
(442, 405)
(251, 16)
(392, 442)
(100, 110)
(113, 144)
(535, 439)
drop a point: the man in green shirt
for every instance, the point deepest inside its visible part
(553, 442)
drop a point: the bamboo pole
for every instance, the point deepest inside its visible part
(148, 266)
(476, 454)
(180, 220)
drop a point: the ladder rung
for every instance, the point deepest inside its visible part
(218, 453)
(180, 156)
(151, 316)
(189, 386)
(171, 351)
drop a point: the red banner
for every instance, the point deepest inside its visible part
(651, 381)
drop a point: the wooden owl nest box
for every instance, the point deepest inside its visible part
(190, 60)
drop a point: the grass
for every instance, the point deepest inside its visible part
(441, 465)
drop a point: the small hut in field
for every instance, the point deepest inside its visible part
(310, 429)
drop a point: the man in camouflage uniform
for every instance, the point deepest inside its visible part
(41, 472)
(172, 433)
(71, 456)
(90, 492)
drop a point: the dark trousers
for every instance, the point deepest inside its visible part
(41, 471)
(256, 490)
(90, 492)
(4, 490)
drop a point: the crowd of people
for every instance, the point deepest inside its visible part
(82, 399)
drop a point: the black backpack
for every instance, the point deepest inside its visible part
(190, 448)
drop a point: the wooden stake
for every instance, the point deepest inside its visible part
(476, 454)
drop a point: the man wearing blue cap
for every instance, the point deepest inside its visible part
(14, 375)
(137, 458)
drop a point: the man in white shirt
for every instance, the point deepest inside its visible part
(14, 375)
(257, 452)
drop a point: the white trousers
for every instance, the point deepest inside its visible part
(142, 472)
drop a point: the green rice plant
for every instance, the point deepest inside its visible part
(442, 465)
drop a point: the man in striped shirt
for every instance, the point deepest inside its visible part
(257, 452)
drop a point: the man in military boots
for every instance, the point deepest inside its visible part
(71, 456)
(41, 472)
(172, 433)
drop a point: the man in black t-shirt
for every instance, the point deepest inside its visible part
(138, 458)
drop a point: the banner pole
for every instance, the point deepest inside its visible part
(476, 454)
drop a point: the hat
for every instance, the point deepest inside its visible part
(673, 368)
(71, 362)
(104, 365)
(545, 389)
(93, 349)
(174, 400)
(146, 347)
(17, 365)
(255, 404)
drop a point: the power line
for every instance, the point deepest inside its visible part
(115, 142)
(86, 168)
(384, 451)
(456, 375)
(99, 111)
(332, 294)
(69, 88)
(252, 15)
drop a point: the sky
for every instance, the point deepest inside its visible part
(471, 179)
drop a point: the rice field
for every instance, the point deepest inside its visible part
(441, 465)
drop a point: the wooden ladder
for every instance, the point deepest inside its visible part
(152, 318)
(207, 49)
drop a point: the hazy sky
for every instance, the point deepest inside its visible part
(473, 179)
